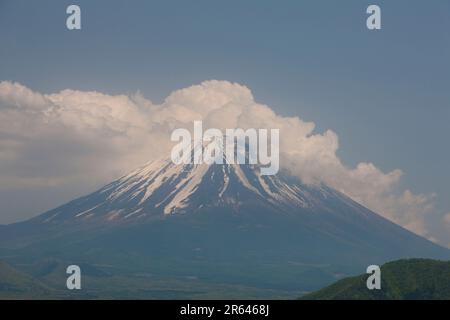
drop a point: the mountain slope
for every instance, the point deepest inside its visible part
(15, 284)
(414, 279)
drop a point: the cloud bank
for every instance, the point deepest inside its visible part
(74, 136)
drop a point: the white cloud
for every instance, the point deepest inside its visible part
(446, 221)
(74, 137)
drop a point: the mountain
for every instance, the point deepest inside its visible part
(413, 279)
(16, 284)
(220, 225)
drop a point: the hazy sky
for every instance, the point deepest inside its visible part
(385, 93)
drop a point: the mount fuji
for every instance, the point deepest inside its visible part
(218, 224)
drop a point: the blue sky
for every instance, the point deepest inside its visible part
(385, 93)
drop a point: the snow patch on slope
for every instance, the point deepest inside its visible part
(186, 187)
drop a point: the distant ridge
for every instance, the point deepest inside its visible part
(16, 284)
(412, 279)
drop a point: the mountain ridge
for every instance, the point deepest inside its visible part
(412, 279)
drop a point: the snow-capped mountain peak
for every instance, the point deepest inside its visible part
(162, 187)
